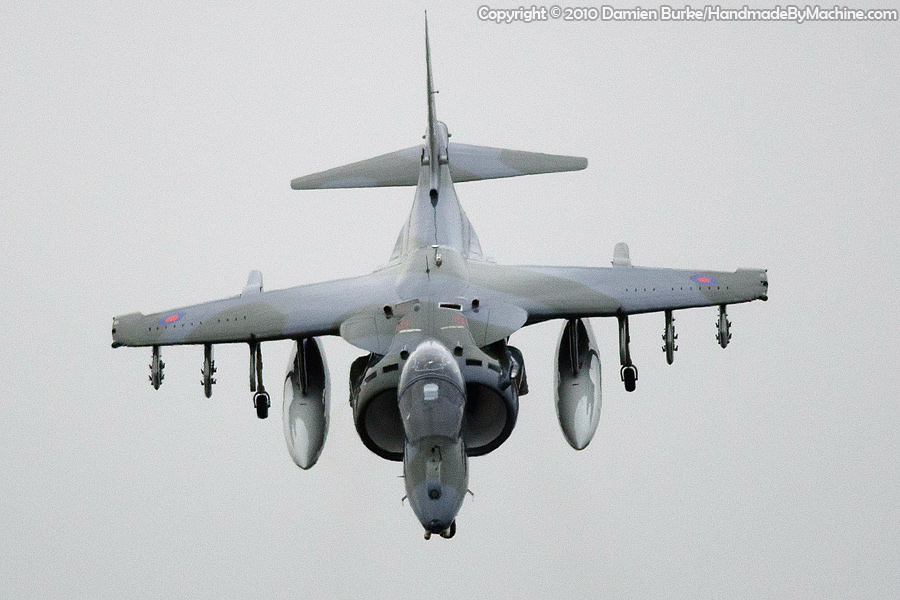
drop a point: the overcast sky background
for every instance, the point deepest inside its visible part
(146, 160)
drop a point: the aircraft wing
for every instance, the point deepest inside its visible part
(294, 313)
(571, 292)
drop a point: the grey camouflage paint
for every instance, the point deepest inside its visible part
(437, 286)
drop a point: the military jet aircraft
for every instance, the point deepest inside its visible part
(439, 381)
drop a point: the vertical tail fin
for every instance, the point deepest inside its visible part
(434, 145)
(464, 162)
(432, 116)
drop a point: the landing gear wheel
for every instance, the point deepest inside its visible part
(629, 376)
(261, 402)
(630, 385)
(629, 371)
(450, 532)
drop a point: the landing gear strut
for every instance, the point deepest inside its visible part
(628, 372)
(669, 337)
(261, 397)
(209, 367)
(723, 325)
(446, 534)
(156, 369)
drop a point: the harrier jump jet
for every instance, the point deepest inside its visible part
(438, 382)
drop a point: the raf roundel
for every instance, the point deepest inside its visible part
(704, 279)
(168, 320)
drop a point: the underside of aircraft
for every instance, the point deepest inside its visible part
(438, 382)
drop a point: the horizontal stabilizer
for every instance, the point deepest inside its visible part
(467, 163)
(395, 168)
(472, 163)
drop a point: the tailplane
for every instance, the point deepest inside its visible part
(467, 163)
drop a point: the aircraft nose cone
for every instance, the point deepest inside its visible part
(436, 505)
(436, 526)
(436, 480)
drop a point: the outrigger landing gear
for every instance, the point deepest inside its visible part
(723, 325)
(261, 402)
(209, 367)
(669, 337)
(261, 397)
(628, 372)
(156, 369)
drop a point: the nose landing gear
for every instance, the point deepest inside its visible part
(447, 533)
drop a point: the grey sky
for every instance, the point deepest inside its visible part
(146, 160)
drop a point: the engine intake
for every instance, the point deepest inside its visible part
(489, 415)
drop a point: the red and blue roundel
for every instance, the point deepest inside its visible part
(704, 279)
(169, 319)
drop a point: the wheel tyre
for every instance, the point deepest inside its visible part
(262, 405)
(628, 376)
(450, 531)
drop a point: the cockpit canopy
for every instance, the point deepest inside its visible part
(431, 393)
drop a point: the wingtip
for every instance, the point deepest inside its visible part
(303, 183)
